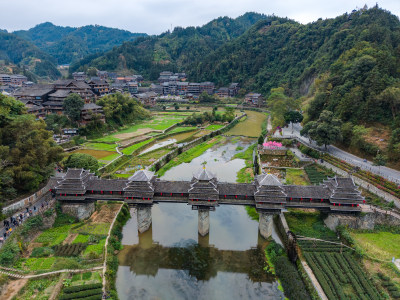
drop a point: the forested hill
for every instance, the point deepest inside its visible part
(172, 50)
(68, 44)
(16, 50)
(293, 55)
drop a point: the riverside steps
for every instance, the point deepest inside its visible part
(78, 190)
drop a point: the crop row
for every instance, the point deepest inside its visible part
(314, 175)
(69, 249)
(390, 286)
(83, 294)
(79, 288)
(335, 271)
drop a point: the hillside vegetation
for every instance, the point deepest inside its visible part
(171, 50)
(68, 44)
(18, 51)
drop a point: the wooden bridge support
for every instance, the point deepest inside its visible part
(265, 224)
(143, 218)
(204, 221)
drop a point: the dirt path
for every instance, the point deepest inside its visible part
(105, 247)
(314, 281)
(70, 238)
(12, 288)
(58, 287)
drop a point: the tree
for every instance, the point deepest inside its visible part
(82, 160)
(325, 131)
(164, 107)
(205, 97)
(188, 107)
(391, 95)
(380, 160)
(293, 116)
(279, 105)
(176, 106)
(91, 72)
(27, 151)
(73, 105)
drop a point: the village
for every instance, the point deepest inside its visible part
(44, 99)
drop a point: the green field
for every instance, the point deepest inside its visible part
(100, 146)
(129, 150)
(296, 176)
(182, 129)
(158, 122)
(214, 127)
(381, 245)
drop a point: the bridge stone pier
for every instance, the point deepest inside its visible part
(204, 221)
(143, 218)
(265, 224)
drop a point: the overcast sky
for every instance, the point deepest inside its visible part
(156, 16)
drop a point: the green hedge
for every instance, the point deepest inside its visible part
(309, 151)
(79, 288)
(82, 294)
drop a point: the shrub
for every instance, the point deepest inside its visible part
(79, 288)
(9, 253)
(42, 252)
(33, 223)
(82, 294)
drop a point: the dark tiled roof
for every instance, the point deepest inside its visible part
(313, 192)
(171, 186)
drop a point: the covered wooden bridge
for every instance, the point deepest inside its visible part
(204, 192)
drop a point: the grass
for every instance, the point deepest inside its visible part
(309, 224)
(182, 129)
(110, 157)
(246, 174)
(129, 150)
(296, 177)
(252, 212)
(98, 248)
(158, 122)
(36, 264)
(81, 238)
(95, 229)
(100, 146)
(189, 155)
(38, 289)
(214, 127)
(381, 245)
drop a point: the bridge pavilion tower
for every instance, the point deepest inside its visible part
(203, 196)
(140, 190)
(270, 199)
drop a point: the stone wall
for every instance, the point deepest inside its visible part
(364, 221)
(79, 210)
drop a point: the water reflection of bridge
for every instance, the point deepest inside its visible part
(199, 259)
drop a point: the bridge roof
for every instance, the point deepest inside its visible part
(268, 179)
(204, 174)
(142, 175)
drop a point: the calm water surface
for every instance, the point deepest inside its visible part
(171, 261)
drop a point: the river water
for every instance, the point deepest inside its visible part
(171, 261)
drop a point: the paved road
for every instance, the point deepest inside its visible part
(388, 173)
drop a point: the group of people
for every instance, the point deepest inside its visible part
(16, 220)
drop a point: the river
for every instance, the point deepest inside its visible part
(171, 261)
